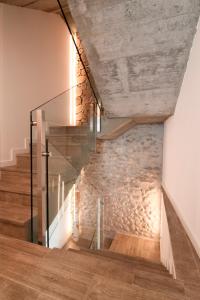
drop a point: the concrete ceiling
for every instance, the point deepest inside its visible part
(44, 5)
(137, 51)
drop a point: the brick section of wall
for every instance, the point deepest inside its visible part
(127, 173)
(84, 93)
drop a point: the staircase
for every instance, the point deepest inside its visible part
(140, 86)
(32, 272)
(15, 211)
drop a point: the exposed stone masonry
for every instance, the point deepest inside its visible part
(126, 172)
(84, 92)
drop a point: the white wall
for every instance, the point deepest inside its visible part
(166, 252)
(34, 50)
(1, 72)
(181, 165)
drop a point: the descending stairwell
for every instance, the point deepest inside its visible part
(147, 93)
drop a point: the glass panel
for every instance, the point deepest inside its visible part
(98, 237)
(61, 144)
(61, 196)
(59, 151)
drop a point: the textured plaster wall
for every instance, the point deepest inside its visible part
(137, 51)
(127, 173)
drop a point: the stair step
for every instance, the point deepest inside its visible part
(15, 220)
(134, 246)
(16, 176)
(54, 276)
(68, 139)
(15, 198)
(16, 169)
(16, 188)
(124, 274)
(143, 263)
(18, 215)
(68, 130)
(137, 264)
(23, 161)
(70, 150)
(99, 265)
(23, 247)
(169, 288)
(93, 265)
(30, 271)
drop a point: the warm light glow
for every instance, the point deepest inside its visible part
(59, 193)
(68, 214)
(73, 82)
(98, 119)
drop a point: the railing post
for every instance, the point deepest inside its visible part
(98, 224)
(41, 177)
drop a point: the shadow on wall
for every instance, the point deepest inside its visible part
(126, 172)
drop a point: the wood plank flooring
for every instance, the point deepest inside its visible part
(135, 246)
(32, 272)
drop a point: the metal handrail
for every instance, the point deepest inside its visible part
(77, 49)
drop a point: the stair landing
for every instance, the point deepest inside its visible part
(136, 246)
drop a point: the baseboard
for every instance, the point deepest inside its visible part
(188, 231)
(13, 154)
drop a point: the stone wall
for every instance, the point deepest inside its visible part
(126, 172)
(84, 94)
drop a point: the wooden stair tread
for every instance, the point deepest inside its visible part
(14, 188)
(49, 276)
(96, 260)
(62, 280)
(107, 254)
(132, 280)
(135, 246)
(70, 129)
(23, 247)
(66, 144)
(134, 265)
(28, 270)
(17, 170)
(120, 273)
(24, 189)
(27, 155)
(67, 134)
(18, 215)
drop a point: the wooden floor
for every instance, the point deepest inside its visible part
(31, 272)
(135, 246)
